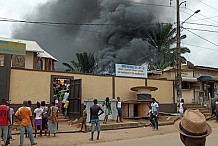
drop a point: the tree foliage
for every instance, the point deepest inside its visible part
(85, 63)
(162, 38)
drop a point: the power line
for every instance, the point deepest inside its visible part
(202, 37)
(207, 5)
(202, 24)
(204, 17)
(214, 31)
(68, 23)
(149, 4)
(200, 47)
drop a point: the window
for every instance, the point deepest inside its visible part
(186, 85)
(2, 60)
(39, 64)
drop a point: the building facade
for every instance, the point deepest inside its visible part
(199, 83)
(35, 58)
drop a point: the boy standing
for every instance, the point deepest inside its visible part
(84, 119)
(94, 116)
(119, 110)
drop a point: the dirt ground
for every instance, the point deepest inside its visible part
(78, 138)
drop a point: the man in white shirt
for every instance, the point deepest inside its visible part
(66, 96)
(154, 113)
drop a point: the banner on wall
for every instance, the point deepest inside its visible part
(131, 70)
(12, 48)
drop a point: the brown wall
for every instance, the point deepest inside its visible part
(35, 85)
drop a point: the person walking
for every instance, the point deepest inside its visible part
(24, 114)
(107, 107)
(193, 128)
(119, 110)
(38, 118)
(4, 121)
(154, 113)
(181, 107)
(94, 116)
(52, 119)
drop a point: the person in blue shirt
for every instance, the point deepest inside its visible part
(154, 113)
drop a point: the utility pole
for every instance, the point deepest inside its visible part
(178, 53)
(178, 76)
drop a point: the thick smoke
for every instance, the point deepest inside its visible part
(121, 40)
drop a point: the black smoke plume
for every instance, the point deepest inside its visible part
(121, 40)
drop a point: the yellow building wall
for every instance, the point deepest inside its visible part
(35, 86)
(164, 94)
(98, 87)
(123, 85)
(29, 85)
(93, 86)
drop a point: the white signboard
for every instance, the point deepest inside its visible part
(131, 70)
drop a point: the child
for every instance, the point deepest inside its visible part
(119, 110)
(181, 108)
(84, 118)
(150, 115)
(107, 107)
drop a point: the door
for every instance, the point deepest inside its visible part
(74, 110)
(5, 73)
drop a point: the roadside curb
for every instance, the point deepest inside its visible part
(140, 125)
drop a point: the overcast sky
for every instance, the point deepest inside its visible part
(199, 56)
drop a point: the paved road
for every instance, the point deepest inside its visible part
(160, 140)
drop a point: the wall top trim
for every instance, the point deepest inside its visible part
(71, 73)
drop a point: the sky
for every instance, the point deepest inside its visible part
(205, 55)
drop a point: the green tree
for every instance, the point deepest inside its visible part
(161, 39)
(85, 63)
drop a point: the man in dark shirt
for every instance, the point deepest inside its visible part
(94, 116)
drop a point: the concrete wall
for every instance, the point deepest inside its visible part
(188, 95)
(35, 85)
(123, 85)
(165, 93)
(29, 60)
(95, 86)
(201, 72)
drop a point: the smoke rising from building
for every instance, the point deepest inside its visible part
(121, 40)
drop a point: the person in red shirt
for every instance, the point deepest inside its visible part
(4, 120)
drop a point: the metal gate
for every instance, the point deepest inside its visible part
(5, 73)
(74, 110)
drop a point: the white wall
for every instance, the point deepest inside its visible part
(29, 60)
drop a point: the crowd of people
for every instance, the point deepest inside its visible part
(191, 125)
(45, 119)
(61, 95)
